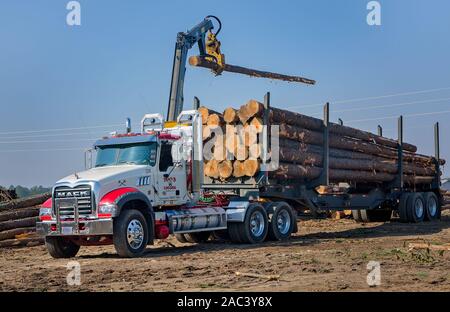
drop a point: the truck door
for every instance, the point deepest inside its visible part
(171, 177)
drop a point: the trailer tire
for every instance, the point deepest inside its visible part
(197, 237)
(131, 233)
(221, 234)
(357, 216)
(181, 238)
(432, 207)
(374, 215)
(255, 227)
(282, 223)
(403, 207)
(416, 208)
(60, 247)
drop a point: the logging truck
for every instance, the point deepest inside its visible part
(151, 184)
(147, 185)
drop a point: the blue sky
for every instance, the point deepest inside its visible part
(118, 63)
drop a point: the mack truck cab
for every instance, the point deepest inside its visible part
(145, 186)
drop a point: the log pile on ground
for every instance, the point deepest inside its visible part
(355, 156)
(18, 221)
(446, 200)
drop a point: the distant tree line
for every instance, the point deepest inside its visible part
(22, 191)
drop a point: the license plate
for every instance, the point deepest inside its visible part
(67, 230)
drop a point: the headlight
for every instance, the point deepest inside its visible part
(107, 210)
(45, 214)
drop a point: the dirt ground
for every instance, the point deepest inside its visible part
(326, 255)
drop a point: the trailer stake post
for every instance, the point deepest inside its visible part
(341, 122)
(399, 183)
(437, 180)
(196, 105)
(380, 130)
(265, 134)
(326, 146)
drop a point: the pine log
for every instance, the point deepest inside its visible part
(206, 132)
(220, 151)
(29, 242)
(258, 124)
(280, 116)
(255, 151)
(248, 135)
(290, 155)
(211, 169)
(205, 112)
(26, 222)
(230, 115)
(214, 120)
(199, 61)
(238, 169)
(19, 213)
(290, 171)
(243, 115)
(25, 202)
(251, 167)
(340, 142)
(225, 169)
(9, 234)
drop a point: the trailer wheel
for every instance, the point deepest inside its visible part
(60, 247)
(375, 215)
(181, 238)
(130, 233)
(197, 237)
(416, 208)
(254, 228)
(356, 216)
(282, 223)
(432, 207)
(403, 207)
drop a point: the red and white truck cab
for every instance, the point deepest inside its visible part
(143, 187)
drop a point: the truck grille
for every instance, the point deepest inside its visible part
(83, 196)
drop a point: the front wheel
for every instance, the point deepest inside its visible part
(130, 234)
(60, 247)
(254, 228)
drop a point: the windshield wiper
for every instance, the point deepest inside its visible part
(101, 165)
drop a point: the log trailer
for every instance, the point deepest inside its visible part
(150, 184)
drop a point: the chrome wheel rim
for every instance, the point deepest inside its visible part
(418, 207)
(257, 223)
(135, 234)
(432, 207)
(283, 222)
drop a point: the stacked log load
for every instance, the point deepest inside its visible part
(354, 155)
(18, 221)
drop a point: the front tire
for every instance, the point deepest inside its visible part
(131, 234)
(60, 247)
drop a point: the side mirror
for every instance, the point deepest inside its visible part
(88, 159)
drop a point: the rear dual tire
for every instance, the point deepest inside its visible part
(283, 222)
(419, 207)
(254, 229)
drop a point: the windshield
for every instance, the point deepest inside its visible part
(136, 154)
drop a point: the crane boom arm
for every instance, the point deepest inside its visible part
(185, 41)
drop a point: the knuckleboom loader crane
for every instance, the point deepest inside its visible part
(209, 47)
(210, 57)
